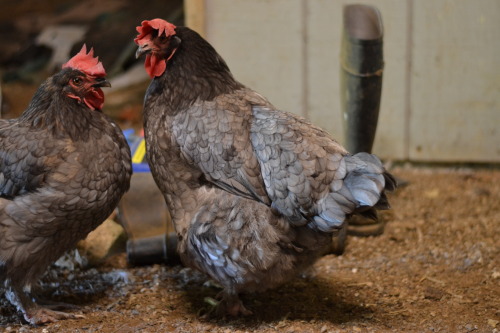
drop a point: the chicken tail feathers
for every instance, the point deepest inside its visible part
(362, 192)
(390, 182)
(367, 180)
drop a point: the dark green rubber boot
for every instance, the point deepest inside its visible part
(362, 65)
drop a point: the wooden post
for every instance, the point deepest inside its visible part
(195, 15)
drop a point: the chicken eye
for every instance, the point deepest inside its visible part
(77, 81)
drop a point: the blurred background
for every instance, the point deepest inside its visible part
(441, 87)
(36, 37)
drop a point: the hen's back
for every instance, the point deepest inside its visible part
(309, 177)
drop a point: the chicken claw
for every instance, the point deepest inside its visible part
(40, 316)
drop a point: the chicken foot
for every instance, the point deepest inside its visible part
(34, 313)
(57, 306)
(230, 304)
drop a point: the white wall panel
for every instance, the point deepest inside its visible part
(455, 96)
(262, 42)
(441, 88)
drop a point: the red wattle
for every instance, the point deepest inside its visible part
(154, 65)
(94, 99)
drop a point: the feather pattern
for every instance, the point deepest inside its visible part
(63, 169)
(254, 192)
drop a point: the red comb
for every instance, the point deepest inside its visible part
(86, 63)
(162, 26)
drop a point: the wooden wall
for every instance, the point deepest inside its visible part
(441, 90)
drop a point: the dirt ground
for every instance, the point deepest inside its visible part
(435, 269)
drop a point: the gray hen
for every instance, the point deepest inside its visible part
(64, 166)
(254, 192)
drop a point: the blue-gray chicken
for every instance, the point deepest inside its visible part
(255, 193)
(64, 166)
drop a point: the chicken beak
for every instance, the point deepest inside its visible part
(141, 50)
(101, 82)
